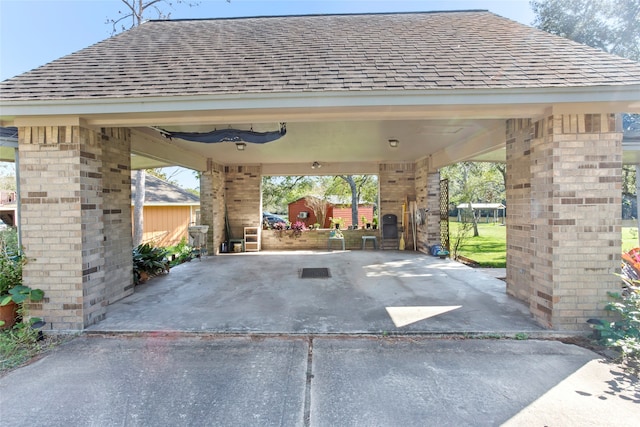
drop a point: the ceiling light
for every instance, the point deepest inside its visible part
(240, 146)
(316, 165)
(393, 143)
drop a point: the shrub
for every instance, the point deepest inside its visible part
(182, 252)
(623, 333)
(148, 260)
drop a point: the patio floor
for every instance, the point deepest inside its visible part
(367, 292)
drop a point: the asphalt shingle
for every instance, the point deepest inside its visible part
(405, 51)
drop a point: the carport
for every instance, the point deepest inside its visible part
(366, 292)
(448, 86)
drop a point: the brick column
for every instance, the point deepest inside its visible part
(243, 196)
(69, 248)
(428, 197)
(518, 220)
(575, 166)
(397, 181)
(212, 205)
(433, 204)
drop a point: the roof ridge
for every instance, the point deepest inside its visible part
(311, 15)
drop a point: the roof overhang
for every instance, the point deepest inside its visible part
(345, 130)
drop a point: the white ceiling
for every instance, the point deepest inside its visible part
(340, 141)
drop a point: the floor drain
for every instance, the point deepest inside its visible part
(315, 273)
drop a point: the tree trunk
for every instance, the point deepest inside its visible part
(474, 221)
(638, 199)
(138, 206)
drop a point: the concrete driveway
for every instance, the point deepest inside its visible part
(171, 379)
(242, 340)
(367, 292)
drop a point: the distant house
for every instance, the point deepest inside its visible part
(496, 211)
(168, 211)
(299, 211)
(8, 206)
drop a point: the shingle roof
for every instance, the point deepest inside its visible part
(404, 51)
(159, 192)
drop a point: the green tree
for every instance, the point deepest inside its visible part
(360, 188)
(279, 191)
(474, 182)
(610, 25)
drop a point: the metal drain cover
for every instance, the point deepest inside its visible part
(315, 273)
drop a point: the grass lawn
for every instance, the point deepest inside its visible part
(629, 238)
(489, 249)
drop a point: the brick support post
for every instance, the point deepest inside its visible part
(433, 204)
(397, 182)
(428, 197)
(77, 237)
(243, 195)
(212, 205)
(574, 221)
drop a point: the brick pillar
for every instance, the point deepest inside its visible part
(212, 205)
(428, 197)
(243, 196)
(67, 244)
(518, 220)
(116, 193)
(433, 204)
(575, 217)
(397, 182)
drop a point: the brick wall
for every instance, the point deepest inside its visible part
(397, 183)
(574, 215)
(272, 240)
(63, 232)
(427, 190)
(116, 193)
(212, 205)
(243, 197)
(519, 213)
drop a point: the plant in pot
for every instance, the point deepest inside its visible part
(374, 222)
(13, 294)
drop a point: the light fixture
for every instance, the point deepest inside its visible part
(240, 146)
(316, 165)
(393, 143)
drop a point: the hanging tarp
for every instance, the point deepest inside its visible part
(229, 135)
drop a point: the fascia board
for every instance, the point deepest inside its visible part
(624, 94)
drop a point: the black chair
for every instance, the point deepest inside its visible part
(389, 226)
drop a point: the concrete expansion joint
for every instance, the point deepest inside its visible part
(393, 335)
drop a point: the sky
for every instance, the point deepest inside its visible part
(35, 32)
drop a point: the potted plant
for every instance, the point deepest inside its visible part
(363, 219)
(374, 222)
(13, 294)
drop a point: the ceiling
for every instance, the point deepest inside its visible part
(334, 142)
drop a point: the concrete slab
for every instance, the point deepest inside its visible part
(158, 379)
(368, 292)
(466, 382)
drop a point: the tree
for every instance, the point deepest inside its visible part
(610, 25)
(477, 182)
(135, 12)
(279, 191)
(358, 186)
